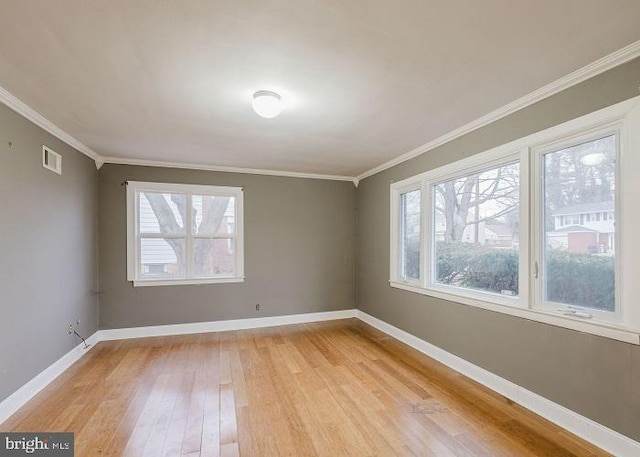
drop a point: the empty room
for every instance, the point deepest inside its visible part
(320, 228)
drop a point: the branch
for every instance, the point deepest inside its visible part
(496, 215)
(507, 194)
(213, 218)
(165, 215)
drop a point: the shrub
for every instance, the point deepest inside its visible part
(478, 267)
(579, 279)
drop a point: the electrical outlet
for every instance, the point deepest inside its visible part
(70, 329)
(258, 307)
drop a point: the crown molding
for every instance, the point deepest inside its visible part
(593, 69)
(608, 62)
(26, 111)
(251, 171)
(32, 115)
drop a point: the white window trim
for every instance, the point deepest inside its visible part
(624, 116)
(505, 157)
(537, 154)
(134, 187)
(396, 209)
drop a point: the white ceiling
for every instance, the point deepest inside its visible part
(366, 80)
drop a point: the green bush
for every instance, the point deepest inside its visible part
(581, 280)
(477, 267)
(412, 260)
(573, 278)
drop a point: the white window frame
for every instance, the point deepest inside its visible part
(134, 188)
(622, 119)
(427, 181)
(397, 209)
(537, 156)
(502, 159)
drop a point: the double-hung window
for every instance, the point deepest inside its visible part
(534, 228)
(184, 234)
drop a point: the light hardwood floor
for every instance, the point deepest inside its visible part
(336, 388)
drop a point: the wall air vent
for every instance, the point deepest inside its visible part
(51, 160)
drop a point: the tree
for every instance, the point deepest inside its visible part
(493, 195)
(169, 224)
(570, 181)
(494, 192)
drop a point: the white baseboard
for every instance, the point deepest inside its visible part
(16, 400)
(221, 326)
(603, 437)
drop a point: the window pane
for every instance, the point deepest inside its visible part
(579, 244)
(162, 213)
(213, 215)
(214, 257)
(475, 231)
(410, 235)
(162, 258)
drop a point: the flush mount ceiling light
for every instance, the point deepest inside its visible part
(592, 159)
(267, 103)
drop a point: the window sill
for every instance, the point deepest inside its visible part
(183, 282)
(613, 331)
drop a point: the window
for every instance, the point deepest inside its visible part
(184, 234)
(532, 228)
(410, 243)
(578, 264)
(475, 231)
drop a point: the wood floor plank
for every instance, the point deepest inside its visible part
(228, 422)
(338, 388)
(195, 418)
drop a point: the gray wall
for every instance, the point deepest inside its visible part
(299, 251)
(594, 376)
(48, 246)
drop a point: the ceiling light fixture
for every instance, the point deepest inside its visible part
(592, 159)
(267, 104)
